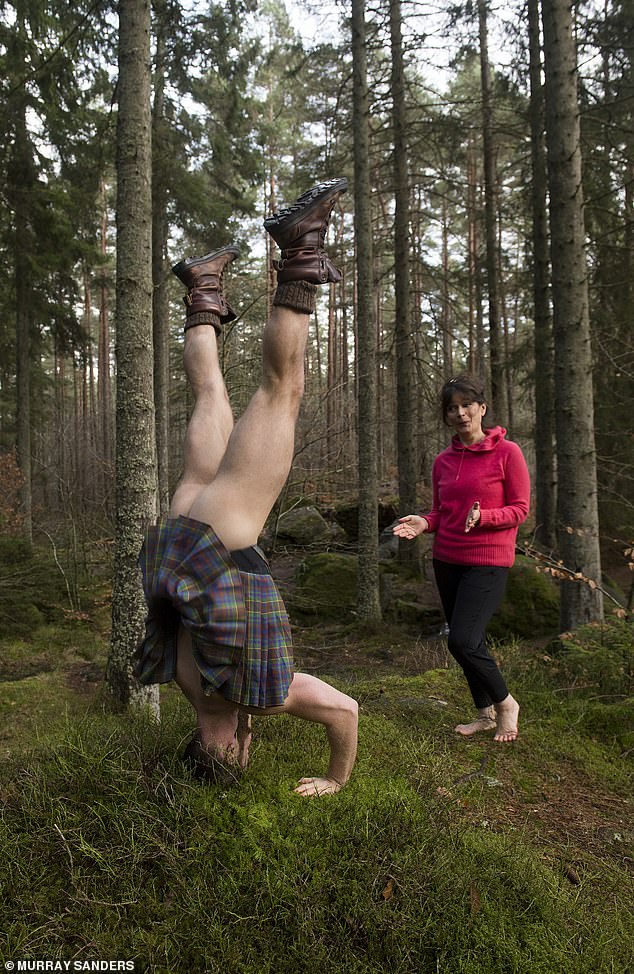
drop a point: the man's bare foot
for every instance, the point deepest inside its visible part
(507, 713)
(243, 738)
(481, 723)
(311, 787)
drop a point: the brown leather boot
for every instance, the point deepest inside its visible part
(202, 276)
(299, 231)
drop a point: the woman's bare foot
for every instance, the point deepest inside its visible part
(507, 713)
(477, 725)
(485, 721)
(311, 787)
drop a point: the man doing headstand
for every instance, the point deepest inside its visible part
(216, 622)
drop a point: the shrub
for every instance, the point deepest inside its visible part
(32, 589)
(599, 656)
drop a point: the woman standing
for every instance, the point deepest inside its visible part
(481, 493)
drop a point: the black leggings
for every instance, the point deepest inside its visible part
(470, 594)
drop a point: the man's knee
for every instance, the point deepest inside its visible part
(286, 388)
(349, 706)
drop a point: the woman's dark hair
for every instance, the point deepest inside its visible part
(467, 385)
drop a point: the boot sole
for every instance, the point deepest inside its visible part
(296, 212)
(188, 262)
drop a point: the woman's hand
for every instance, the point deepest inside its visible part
(472, 517)
(410, 527)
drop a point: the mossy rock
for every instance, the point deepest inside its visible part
(413, 613)
(326, 585)
(531, 605)
(302, 526)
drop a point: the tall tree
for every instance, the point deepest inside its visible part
(160, 269)
(545, 513)
(405, 394)
(607, 121)
(576, 461)
(490, 219)
(21, 185)
(368, 602)
(135, 453)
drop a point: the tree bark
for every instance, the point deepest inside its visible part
(103, 362)
(578, 521)
(160, 271)
(405, 393)
(368, 604)
(21, 182)
(490, 216)
(135, 474)
(545, 477)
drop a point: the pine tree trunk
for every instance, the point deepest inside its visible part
(160, 272)
(445, 327)
(490, 215)
(576, 461)
(545, 478)
(21, 181)
(407, 460)
(476, 353)
(103, 366)
(368, 604)
(135, 477)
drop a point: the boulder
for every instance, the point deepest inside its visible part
(326, 585)
(302, 526)
(531, 604)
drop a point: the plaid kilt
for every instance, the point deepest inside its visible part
(241, 637)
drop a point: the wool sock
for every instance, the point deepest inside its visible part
(203, 318)
(297, 295)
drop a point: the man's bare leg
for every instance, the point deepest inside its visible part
(220, 730)
(206, 440)
(312, 699)
(259, 453)
(211, 422)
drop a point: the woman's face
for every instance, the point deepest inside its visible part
(465, 417)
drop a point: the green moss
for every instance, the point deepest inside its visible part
(434, 857)
(326, 586)
(33, 588)
(110, 848)
(530, 607)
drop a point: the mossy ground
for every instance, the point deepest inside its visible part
(442, 854)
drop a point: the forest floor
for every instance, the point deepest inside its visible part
(442, 854)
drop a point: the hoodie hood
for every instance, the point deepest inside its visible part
(491, 439)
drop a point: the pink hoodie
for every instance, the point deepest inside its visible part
(493, 472)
